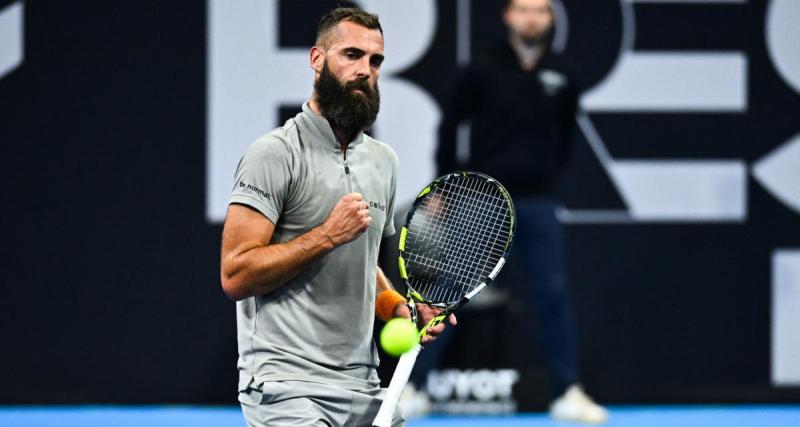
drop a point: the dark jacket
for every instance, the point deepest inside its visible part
(521, 121)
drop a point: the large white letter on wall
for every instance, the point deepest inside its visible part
(676, 81)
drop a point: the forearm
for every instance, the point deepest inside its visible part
(382, 282)
(388, 304)
(261, 269)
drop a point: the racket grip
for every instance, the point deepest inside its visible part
(396, 386)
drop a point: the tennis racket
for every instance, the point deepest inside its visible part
(456, 239)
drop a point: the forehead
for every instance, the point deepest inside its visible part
(530, 4)
(348, 34)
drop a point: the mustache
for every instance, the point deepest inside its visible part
(359, 84)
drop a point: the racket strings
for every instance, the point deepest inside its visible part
(456, 236)
(471, 225)
(472, 222)
(446, 286)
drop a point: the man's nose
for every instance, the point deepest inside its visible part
(363, 68)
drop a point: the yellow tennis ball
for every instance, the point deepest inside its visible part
(398, 336)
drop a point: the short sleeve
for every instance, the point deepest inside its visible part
(263, 177)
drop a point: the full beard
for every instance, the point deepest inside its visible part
(344, 108)
(537, 38)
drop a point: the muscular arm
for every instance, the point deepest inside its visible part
(250, 265)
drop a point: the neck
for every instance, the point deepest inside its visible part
(343, 137)
(314, 106)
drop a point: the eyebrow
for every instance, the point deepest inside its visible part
(361, 52)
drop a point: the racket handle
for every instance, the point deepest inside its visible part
(396, 386)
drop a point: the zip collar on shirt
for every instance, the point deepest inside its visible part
(321, 131)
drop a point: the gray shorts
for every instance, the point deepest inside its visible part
(300, 403)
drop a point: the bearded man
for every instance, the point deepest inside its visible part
(310, 205)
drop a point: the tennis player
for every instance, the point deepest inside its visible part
(310, 204)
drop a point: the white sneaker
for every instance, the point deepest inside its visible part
(575, 406)
(414, 403)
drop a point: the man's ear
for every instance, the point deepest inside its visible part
(317, 58)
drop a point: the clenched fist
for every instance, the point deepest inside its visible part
(348, 219)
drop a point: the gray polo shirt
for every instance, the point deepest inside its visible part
(318, 326)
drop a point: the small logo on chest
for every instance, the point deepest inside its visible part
(376, 205)
(552, 81)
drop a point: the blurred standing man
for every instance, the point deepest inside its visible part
(521, 104)
(310, 205)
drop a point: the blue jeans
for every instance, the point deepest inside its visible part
(539, 245)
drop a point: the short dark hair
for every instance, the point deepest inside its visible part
(507, 4)
(340, 14)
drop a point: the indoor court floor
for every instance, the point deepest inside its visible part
(177, 416)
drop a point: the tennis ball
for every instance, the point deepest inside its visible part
(398, 336)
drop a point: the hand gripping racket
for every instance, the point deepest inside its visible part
(456, 239)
